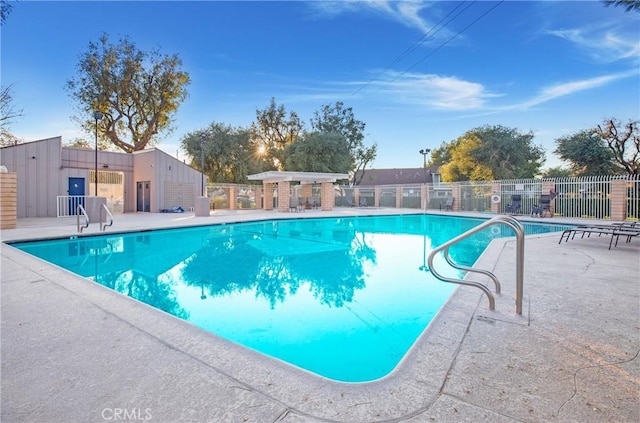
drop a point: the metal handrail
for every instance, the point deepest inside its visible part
(504, 220)
(108, 215)
(80, 209)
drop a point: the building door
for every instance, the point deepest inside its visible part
(76, 195)
(143, 196)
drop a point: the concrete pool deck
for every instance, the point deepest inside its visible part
(74, 351)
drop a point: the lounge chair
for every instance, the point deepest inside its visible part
(447, 205)
(616, 230)
(514, 207)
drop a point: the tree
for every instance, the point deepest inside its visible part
(624, 142)
(587, 154)
(557, 172)
(275, 131)
(629, 5)
(319, 152)
(440, 155)
(136, 91)
(341, 120)
(7, 114)
(228, 152)
(491, 153)
(5, 9)
(79, 143)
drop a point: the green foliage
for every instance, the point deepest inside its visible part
(587, 154)
(275, 131)
(557, 172)
(136, 91)
(440, 155)
(338, 119)
(490, 153)
(319, 152)
(228, 152)
(79, 143)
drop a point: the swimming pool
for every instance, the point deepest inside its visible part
(345, 298)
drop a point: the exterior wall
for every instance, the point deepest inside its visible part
(159, 168)
(77, 163)
(37, 166)
(43, 169)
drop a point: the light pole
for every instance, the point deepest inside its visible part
(424, 153)
(97, 116)
(202, 164)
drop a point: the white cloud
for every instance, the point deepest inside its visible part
(434, 91)
(602, 45)
(408, 13)
(568, 88)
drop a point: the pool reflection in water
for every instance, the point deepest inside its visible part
(341, 297)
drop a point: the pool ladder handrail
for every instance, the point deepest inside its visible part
(498, 220)
(108, 215)
(80, 210)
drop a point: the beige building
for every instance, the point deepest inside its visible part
(51, 177)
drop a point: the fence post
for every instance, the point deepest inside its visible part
(456, 191)
(618, 198)
(496, 189)
(547, 186)
(267, 203)
(233, 198)
(284, 190)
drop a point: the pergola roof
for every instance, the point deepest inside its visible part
(303, 177)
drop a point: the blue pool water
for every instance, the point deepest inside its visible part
(345, 298)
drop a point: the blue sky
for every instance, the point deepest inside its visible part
(417, 73)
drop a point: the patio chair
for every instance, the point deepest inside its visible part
(294, 204)
(543, 207)
(514, 207)
(363, 202)
(447, 205)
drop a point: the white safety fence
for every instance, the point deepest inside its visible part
(67, 205)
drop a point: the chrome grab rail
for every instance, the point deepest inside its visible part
(108, 215)
(80, 210)
(504, 220)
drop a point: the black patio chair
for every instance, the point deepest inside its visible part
(543, 207)
(516, 204)
(447, 205)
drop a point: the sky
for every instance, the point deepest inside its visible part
(417, 73)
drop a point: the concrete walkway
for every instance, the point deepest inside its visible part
(74, 351)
